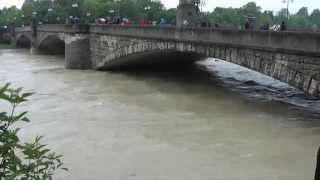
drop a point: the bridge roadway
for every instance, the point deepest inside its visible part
(291, 57)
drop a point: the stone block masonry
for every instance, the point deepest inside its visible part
(291, 57)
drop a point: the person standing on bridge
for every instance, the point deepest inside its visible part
(283, 26)
(317, 176)
(141, 22)
(162, 22)
(185, 23)
(247, 25)
(125, 22)
(154, 23)
(76, 20)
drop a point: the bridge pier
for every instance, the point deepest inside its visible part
(77, 51)
(34, 50)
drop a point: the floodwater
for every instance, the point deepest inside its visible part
(211, 121)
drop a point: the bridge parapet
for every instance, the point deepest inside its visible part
(146, 32)
(65, 28)
(306, 43)
(23, 29)
(303, 43)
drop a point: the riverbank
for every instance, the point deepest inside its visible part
(6, 46)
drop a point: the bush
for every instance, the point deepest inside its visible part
(22, 161)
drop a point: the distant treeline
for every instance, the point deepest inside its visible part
(55, 12)
(237, 16)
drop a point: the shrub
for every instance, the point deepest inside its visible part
(22, 161)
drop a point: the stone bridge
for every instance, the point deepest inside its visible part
(291, 57)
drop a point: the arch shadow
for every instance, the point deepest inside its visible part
(52, 45)
(161, 59)
(6, 39)
(23, 42)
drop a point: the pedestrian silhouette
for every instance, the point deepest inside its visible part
(141, 22)
(283, 26)
(162, 22)
(247, 25)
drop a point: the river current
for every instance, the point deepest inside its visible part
(209, 121)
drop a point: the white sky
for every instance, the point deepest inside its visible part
(274, 5)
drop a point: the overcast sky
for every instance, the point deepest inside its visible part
(274, 5)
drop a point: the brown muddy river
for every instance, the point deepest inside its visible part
(211, 121)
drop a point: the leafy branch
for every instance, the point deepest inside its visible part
(22, 161)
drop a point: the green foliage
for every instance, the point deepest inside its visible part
(22, 161)
(237, 16)
(9, 15)
(89, 10)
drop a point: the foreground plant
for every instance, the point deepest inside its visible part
(22, 161)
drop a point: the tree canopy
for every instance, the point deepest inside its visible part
(56, 12)
(238, 16)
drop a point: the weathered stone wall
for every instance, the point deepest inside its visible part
(297, 70)
(305, 43)
(77, 51)
(111, 52)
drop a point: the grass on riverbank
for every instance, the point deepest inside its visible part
(6, 46)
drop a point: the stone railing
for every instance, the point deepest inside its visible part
(23, 29)
(64, 28)
(307, 43)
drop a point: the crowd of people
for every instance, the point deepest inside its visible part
(117, 20)
(125, 21)
(266, 27)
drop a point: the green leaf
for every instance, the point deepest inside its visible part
(25, 95)
(4, 88)
(25, 119)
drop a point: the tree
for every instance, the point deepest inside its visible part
(266, 17)
(226, 16)
(281, 16)
(303, 12)
(89, 10)
(300, 19)
(315, 17)
(170, 15)
(27, 10)
(251, 9)
(10, 15)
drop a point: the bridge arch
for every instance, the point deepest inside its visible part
(136, 56)
(23, 41)
(52, 44)
(113, 53)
